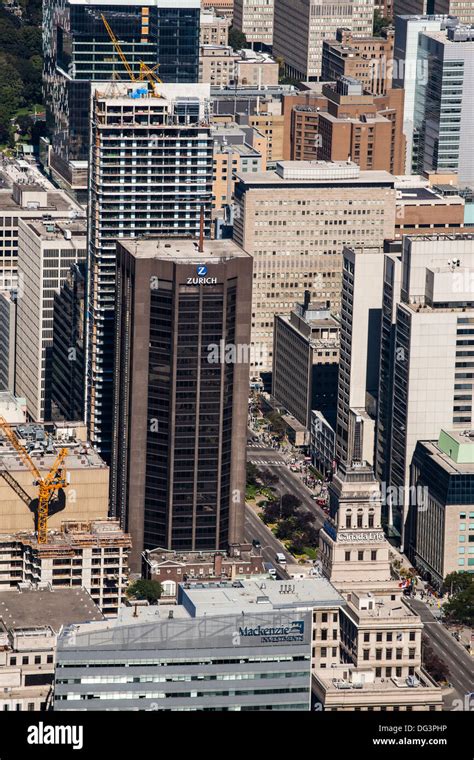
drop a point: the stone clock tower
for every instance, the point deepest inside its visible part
(353, 547)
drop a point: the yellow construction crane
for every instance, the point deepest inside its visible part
(53, 481)
(145, 71)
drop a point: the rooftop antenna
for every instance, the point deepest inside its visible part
(201, 231)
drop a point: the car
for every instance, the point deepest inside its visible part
(256, 543)
(280, 558)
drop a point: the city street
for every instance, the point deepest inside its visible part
(256, 529)
(289, 482)
(458, 660)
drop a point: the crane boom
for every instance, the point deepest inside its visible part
(117, 47)
(54, 480)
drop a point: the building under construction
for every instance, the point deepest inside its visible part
(84, 499)
(92, 555)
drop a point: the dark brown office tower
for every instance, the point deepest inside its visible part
(181, 384)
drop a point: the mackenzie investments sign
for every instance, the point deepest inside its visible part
(294, 631)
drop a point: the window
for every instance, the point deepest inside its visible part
(399, 654)
(398, 672)
(378, 637)
(378, 654)
(25, 660)
(412, 635)
(411, 654)
(360, 556)
(347, 556)
(49, 658)
(366, 636)
(388, 654)
(378, 672)
(324, 634)
(389, 636)
(12, 660)
(324, 652)
(37, 659)
(366, 654)
(373, 555)
(324, 617)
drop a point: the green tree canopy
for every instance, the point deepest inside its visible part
(145, 589)
(237, 40)
(457, 581)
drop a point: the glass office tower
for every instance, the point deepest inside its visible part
(78, 50)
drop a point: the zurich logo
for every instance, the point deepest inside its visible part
(202, 270)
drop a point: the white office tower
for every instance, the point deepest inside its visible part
(255, 19)
(408, 66)
(444, 113)
(150, 175)
(432, 359)
(362, 281)
(300, 26)
(46, 252)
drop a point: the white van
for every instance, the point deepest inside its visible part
(280, 558)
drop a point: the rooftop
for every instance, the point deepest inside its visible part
(315, 172)
(43, 449)
(183, 250)
(219, 598)
(55, 608)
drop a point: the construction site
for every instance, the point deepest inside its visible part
(49, 474)
(92, 555)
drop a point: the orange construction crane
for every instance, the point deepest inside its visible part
(54, 480)
(145, 71)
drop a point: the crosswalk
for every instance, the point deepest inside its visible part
(272, 462)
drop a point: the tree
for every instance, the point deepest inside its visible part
(268, 477)
(460, 608)
(435, 666)
(457, 581)
(277, 423)
(145, 589)
(252, 472)
(237, 40)
(289, 504)
(380, 23)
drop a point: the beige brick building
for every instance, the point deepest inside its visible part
(368, 59)
(214, 30)
(295, 222)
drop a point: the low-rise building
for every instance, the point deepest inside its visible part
(171, 568)
(159, 658)
(221, 66)
(30, 621)
(214, 29)
(90, 555)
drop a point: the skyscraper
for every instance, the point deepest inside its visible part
(78, 50)
(46, 252)
(151, 174)
(300, 26)
(359, 352)
(181, 388)
(432, 358)
(444, 117)
(295, 222)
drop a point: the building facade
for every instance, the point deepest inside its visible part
(306, 361)
(151, 174)
(443, 118)
(255, 19)
(440, 531)
(295, 222)
(300, 26)
(78, 50)
(368, 59)
(188, 664)
(47, 250)
(182, 344)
